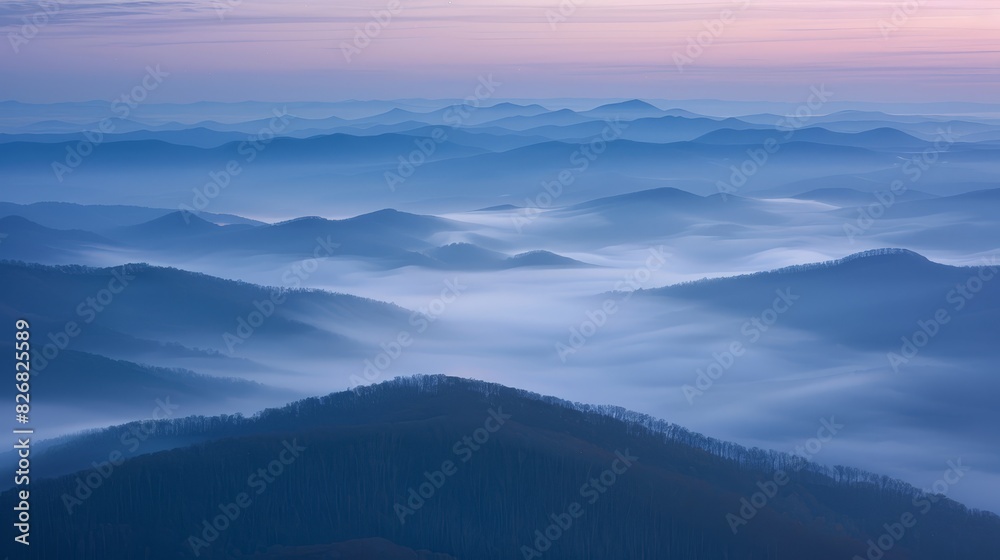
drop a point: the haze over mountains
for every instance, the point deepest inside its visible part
(461, 157)
(739, 271)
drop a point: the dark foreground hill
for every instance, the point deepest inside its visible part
(474, 471)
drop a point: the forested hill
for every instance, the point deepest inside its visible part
(504, 474)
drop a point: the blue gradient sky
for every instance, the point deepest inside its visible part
(277, 50)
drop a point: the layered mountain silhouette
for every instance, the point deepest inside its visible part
(384, 239)
(200, 262)
(884, 138)
(456, 155)
(64, 215)
(466, 256)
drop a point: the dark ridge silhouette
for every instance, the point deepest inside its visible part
(626, 109)
(394, 219)
(876, 256)
(387, 238)
(663, 195)
(664, 211)
(560, 117)
(332, 149)
(199, 136)
(466, 256)
(64, 215)
(544, 258)
(24, 239)
(167, 227)
(499, 208)
(668, 127)
(867, 300)
(175, 306)
(884, 137)
(360, 452)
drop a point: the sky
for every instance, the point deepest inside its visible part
(233, 50)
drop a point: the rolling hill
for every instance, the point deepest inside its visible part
(492, 469)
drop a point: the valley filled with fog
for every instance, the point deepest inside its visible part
(746, 272)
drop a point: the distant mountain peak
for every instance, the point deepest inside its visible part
(498, 208)
(393, 215)
(386, 216)
(659, 194)
(509, 105)
(384, 212)
(179, 218)
(632, 104)
(542, 258)
(303, 220)
(886, 252)
(873, 255)
(397, 111)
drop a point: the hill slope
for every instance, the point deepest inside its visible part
(348, 466)
(867, 300)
